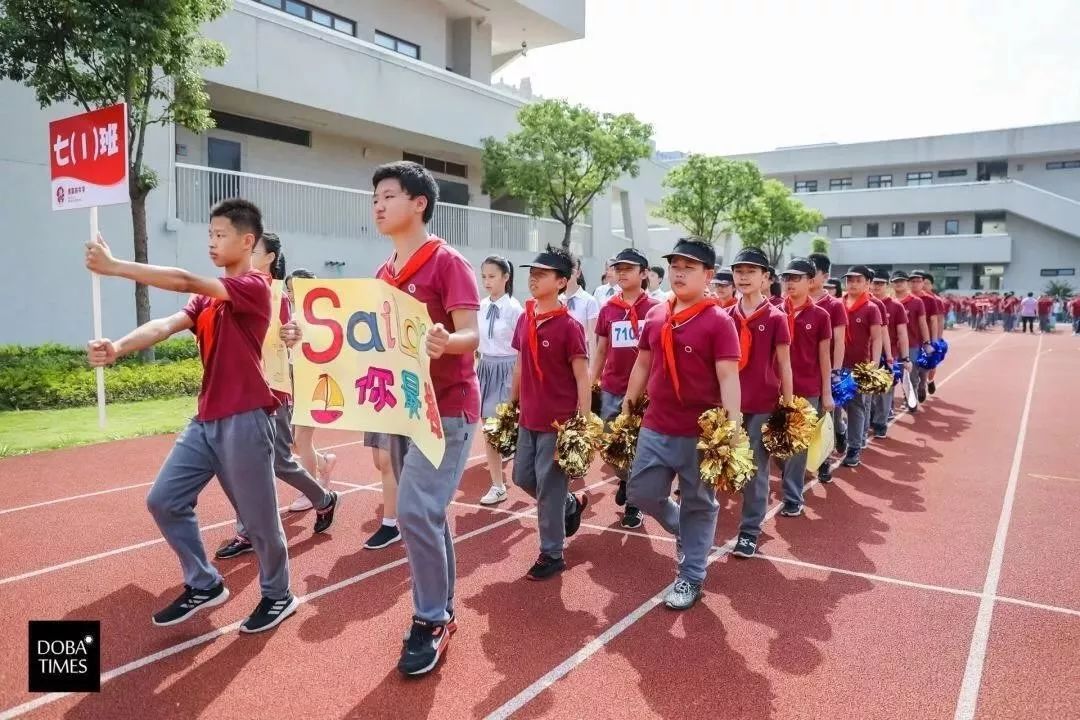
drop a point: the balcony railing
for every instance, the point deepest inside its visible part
(923, 249)
(291, 206)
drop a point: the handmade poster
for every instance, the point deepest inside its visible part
(275, 355)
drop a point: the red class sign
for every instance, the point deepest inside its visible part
(88, 159)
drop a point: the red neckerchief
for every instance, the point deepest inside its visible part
(793, 312)
(852, 309)
(726, 303)
(620, 302)
(533, 321)
(667, 335)
(746, 338)
(412, 265)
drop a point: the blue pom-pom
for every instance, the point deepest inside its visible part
(843, 387)
(927, 361)
(941, 349)
(897, 372)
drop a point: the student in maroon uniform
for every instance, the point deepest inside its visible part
(688, 360)
(810, 329)
(551, 383)
(895, 349)
(232, 434)
(922, 284)
(723, 285)
(618, 330)
(864, 344)
(919, 334)
(764, 373)
(819, 293)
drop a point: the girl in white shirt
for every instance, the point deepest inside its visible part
(583, 307)
(499, 313)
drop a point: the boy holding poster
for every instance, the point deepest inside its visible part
(232, 435)
(551, 378)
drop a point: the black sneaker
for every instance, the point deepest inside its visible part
(423, 646)
(325, 518)
(791, 509)
(269, 613)
(824, 475)
(841, 442)
(632, 518)
(852, 458)
(881, 431)
(620, 494)
(745, 547)
(383, 537)
(190, 602)
(545, 566)
(920, 392)
(573, 519)
(932, 387)
(230, 549)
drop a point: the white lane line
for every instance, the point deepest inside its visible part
(555, 674)
(973, 671)
(130, 548)
(128, 487)
(1053, 477)
(214, 634)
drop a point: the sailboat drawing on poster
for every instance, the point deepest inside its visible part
(328, 394)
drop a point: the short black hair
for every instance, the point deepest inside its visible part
(302, 273)
(569, 256)
(415, 180)
(658, 270)
(272, 243)
(821, 262)
(243, 214)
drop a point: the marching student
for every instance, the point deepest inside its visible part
(819, 293)
(427, 268)
(863, 344)
(764, 374)
(618, 330)
(919, 334)
(877, 399)
(896, 348)
(551, 384)
(723, 284)
(582, 306)
(232, 434)
(922, 284)
(499, 313)
(810, 330)
(688, 362)
(269, 259)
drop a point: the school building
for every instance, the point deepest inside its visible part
(997, 210)
(312, 98)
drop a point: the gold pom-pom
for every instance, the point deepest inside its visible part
(872, 379)
(501, 431)
(727, 462)
(575, 445)
(618, 444)
(790, 428)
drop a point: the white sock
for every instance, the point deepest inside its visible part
(389, 522)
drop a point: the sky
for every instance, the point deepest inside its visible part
(732, 76)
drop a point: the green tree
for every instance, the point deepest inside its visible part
(562, 157)
(773, 218)
(819, 244)
(707, 192)
(1059, 290)
(95, 54)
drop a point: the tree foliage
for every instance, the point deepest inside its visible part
(562, 157)
(1059, 290)
(772, 218)
(147, 53)
(819, 244)
(706, 193)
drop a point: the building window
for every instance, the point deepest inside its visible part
(924, 227)
(1066, 165)
(840, 184)
(879, 181)
(952, 227)
(845, 230)
(802, 186)
(920, 178)
(871, 230)
(1057, 272)
(898, 229)
(823, 230)
(398, 45)
(313, 14)
(962, 172)
(261, 128)
(444, 167)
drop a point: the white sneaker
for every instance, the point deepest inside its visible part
(494, 496)
(300, 504)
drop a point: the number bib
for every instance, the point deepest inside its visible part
(623, 335)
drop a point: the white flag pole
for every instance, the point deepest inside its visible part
(95, 291)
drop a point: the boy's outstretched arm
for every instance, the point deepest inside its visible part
(99, 259)
(105, 352)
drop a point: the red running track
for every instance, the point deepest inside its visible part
(938, 580)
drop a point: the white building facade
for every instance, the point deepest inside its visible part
(312, 98)
(997, 210)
